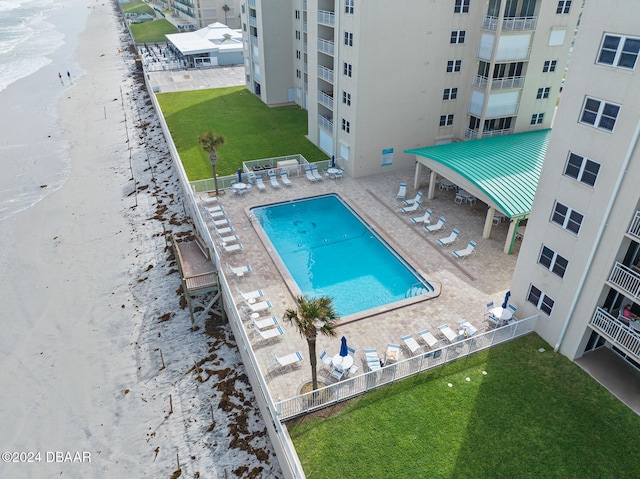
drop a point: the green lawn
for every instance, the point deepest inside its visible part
(153, 31)
(136, 6)
(251, 129)
(533, 415)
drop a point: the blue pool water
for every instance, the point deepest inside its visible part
(330, 251)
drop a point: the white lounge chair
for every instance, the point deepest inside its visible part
(402, 191)
(410, 343)
(258, 293)
(392, 354)
(451, 239)
(260, 184)
(261, 306)
(425, 218)
(213, 209)
(231, 248)
(224, 230)
(265, 323)
(463, 253)
(208, 200)
(229, 239)
(413, 200)
(372, 360)
(239, 271)
(408, 209)
(272, 333)
(217, 214)
(468, 327)
(289, 360)
(222, 222)
(316, 175)
(310, 176)
(437, 227)
(285, 178)
(448, 333)
(428, 338)
(274, 180)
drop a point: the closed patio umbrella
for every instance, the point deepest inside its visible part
(344, 352)
(506, 299)
(239, 175)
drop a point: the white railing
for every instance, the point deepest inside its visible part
(626, 279)
(521, 53)
(325, 73)
(351, 387)
(617, 332)
(507, 83)
(470, 134)
(501, 110)
(325, 123)
(325, 99)
(328, 18)
(509, 24)
(253, 21)
(634, 227)
(252, 3)
(325, 46)
(254, 40)
(488, 133)
(479, 81)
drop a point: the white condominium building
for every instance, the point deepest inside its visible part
(379, 77)
(205, 12)
(579, 265)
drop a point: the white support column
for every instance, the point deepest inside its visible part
(432, 185)
(488, 222)
(416, 176)
(510, 233)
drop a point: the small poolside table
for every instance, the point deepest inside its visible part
(333, 172)
(239, 187)
(342, 362)
(501, 314)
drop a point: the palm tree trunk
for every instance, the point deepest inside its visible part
(313, 361)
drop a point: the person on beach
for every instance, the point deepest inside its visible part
(68, 75)
(60, 76)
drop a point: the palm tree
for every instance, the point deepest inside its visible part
(312, 316)
(226, 8)
(209, 142)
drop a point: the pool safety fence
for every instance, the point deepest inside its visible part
(349, 388)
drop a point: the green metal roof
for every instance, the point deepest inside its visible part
(506, 168)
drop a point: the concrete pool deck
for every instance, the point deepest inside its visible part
(465, 285)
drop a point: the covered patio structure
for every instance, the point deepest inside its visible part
(500, 171)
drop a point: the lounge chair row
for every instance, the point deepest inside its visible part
(222, 227)
(273, 179)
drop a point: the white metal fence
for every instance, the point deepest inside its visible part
(351, 387)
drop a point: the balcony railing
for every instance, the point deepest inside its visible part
(621, 335)
(327, 18)
(252, 3)
(325, 73)
(470, 134)
(325, 123)
(510, 24)
(325, 46)
(625, 279)
(507, 83)
(634, 227)
(325, 99)
(502, 55)
(254, 40)
(253, 21)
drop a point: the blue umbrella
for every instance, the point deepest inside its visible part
(333, 161)
(344, 352)
(506, 299)
(239, 175)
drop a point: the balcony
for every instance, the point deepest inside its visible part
(325, 123)
(510, 24)
(252, 3)
(619, 334)
(325, 73)
(254, 40)
(507, 83)
(325, 46)
(326, 18)
(470, 134)
(325, 99)
(634, 227)
(626, 280)
(253, 21)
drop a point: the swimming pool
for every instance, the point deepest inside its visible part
(329, 250)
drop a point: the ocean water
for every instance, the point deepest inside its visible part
(38, 39)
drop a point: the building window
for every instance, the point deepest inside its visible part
(461, 6)
(553, 261)
(348, 39)
(549, 66)
(297, 14)
(446, 120)
(298, 74)
(540, 300)
(619, 51)
(346, 126)
(454, 66)
(457, 36)
(346, 98)
(567, 218)
(599, 113)
(450, 94)
(298, 54)
(347, 69)
(563, 6)
(348, 6)
(537, 118)
(244, 27)
(543, 93)
(297, 34)
(582, 169)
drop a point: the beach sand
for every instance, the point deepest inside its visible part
(95, 348)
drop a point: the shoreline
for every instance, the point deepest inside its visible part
(96, 345)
